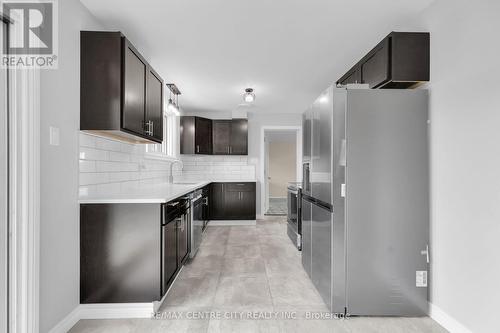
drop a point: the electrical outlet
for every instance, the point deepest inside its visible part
(421, 279)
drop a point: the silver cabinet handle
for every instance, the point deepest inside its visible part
(148, 127)
(230, 149)
(198, 148)
(152, 128)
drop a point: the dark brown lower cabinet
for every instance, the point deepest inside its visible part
(120, 253)
(233, 201)
(216, 211)
(129, 253)
(169, 260)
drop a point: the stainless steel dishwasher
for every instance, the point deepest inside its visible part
(197, 221)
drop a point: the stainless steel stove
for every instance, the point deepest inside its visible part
(294, 199)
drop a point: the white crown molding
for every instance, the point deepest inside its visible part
(447, 321)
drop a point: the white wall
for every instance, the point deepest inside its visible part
(256, 121)
(59, 225)
(465, 160)
(282, 167)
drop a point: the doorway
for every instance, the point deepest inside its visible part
(281, 166)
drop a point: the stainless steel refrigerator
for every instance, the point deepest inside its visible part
(365, 210)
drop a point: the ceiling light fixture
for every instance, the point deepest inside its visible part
(173, 104)
(249, 95)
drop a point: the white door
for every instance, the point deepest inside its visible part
(3, 191)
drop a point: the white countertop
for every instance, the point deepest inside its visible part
(150, 193)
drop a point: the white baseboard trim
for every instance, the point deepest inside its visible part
(220, 223)
(104, 311)
(445, 320)
(116, 310)
(69, 321)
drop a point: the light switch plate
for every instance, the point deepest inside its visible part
(54, 136)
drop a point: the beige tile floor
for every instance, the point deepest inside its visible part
(247, 269)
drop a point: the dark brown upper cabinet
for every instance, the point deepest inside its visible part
(196, 135)
(218, 137)
(121, 95)
(353, 76)
(230, 137)
(239, 137)
(221, 134)
(399, 61)
(154, 103)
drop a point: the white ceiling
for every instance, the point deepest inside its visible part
(287, 50)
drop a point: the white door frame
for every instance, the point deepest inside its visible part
(263, 152)
(24, 197)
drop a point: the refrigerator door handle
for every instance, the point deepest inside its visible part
(426, 253)
(306, 182)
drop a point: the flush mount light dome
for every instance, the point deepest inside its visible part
(249, 95)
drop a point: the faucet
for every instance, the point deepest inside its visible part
(171, 175)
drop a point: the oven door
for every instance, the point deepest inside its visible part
(292, 215)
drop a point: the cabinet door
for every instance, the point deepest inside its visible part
(239, 137)
(247, 205)
(169, 255)
(221, 130)
(154, 104)
(232, 204)
(217, 201)
(203, 136)
(375, 70)
(134, 90)
(187, 131)
(182, 239)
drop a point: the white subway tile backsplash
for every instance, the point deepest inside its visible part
(93, 178)
(107, 164)
(110, 164)
(119, 157)
(93, 154)
(109, 145)
(87, 166)
(87, 140)
(216, 168)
